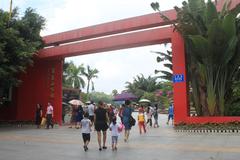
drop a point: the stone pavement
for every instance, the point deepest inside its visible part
(162, 143)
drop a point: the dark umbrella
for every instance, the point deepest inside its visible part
(124, 96)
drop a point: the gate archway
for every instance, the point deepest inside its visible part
(43, 82)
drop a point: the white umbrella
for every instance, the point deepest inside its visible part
(76, 102)
(88, 102)
(144, 101)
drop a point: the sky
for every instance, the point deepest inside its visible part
(115, 67)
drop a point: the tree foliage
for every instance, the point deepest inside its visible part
(90, 73)
(97, 96)
(141, 84)
(167, 59)
(72, 75)
(149, 88)
(213, 54)
(19, 41)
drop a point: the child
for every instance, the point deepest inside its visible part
(86, 130)
(141, 121)
(115, 129)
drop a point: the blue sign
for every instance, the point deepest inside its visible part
(178, 78)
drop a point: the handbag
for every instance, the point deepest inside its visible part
(132, 121)
(43, 122)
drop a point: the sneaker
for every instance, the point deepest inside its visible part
(85, 148)
(104, 147)
(100, 149)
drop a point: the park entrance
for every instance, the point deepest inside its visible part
(43, 82)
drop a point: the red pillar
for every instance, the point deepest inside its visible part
(42, 83)
(180, 85)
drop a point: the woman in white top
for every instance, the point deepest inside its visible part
(49, 115)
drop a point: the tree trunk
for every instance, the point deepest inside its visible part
(88, 87)
(203, 102)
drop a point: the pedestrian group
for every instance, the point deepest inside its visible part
(103, 118)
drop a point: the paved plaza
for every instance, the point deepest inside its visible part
(62, 143)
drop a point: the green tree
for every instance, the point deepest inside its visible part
(213, 53)
(149, 95)
(114, 92)
(167, 58)
(90, 73)
(65, 74)
(97, 96)
(141, 84)
(19, 42)
(73, 76)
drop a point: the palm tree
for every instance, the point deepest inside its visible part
(114, 92)
(73, 76)
(141, 84)
(166, 75)
(90, 74)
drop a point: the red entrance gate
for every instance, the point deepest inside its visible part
(43, 82)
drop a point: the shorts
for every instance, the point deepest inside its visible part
(170, 117)
(114, 139)
(86, 137)
(101, 126)
(91, 118)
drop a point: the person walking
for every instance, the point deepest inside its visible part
(101, 124)
(114, 128)
(110, 113)
(85, 125)
(49, 115)
(38, 115)
(127, 114)
(170, 113)
(141, 121)
(155, 116)
(91, 109)
(74, 116)
(120, 112)
(79, 116)
(149, 115)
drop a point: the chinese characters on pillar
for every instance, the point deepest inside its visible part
(52, 77)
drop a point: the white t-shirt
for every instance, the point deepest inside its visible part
(114, 129)
(91, 109)
(50, 109)
(86, 128)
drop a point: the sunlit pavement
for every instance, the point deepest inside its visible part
(161, 143)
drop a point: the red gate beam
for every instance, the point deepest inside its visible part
(129, 40)
(115, 27)
(120, 26)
